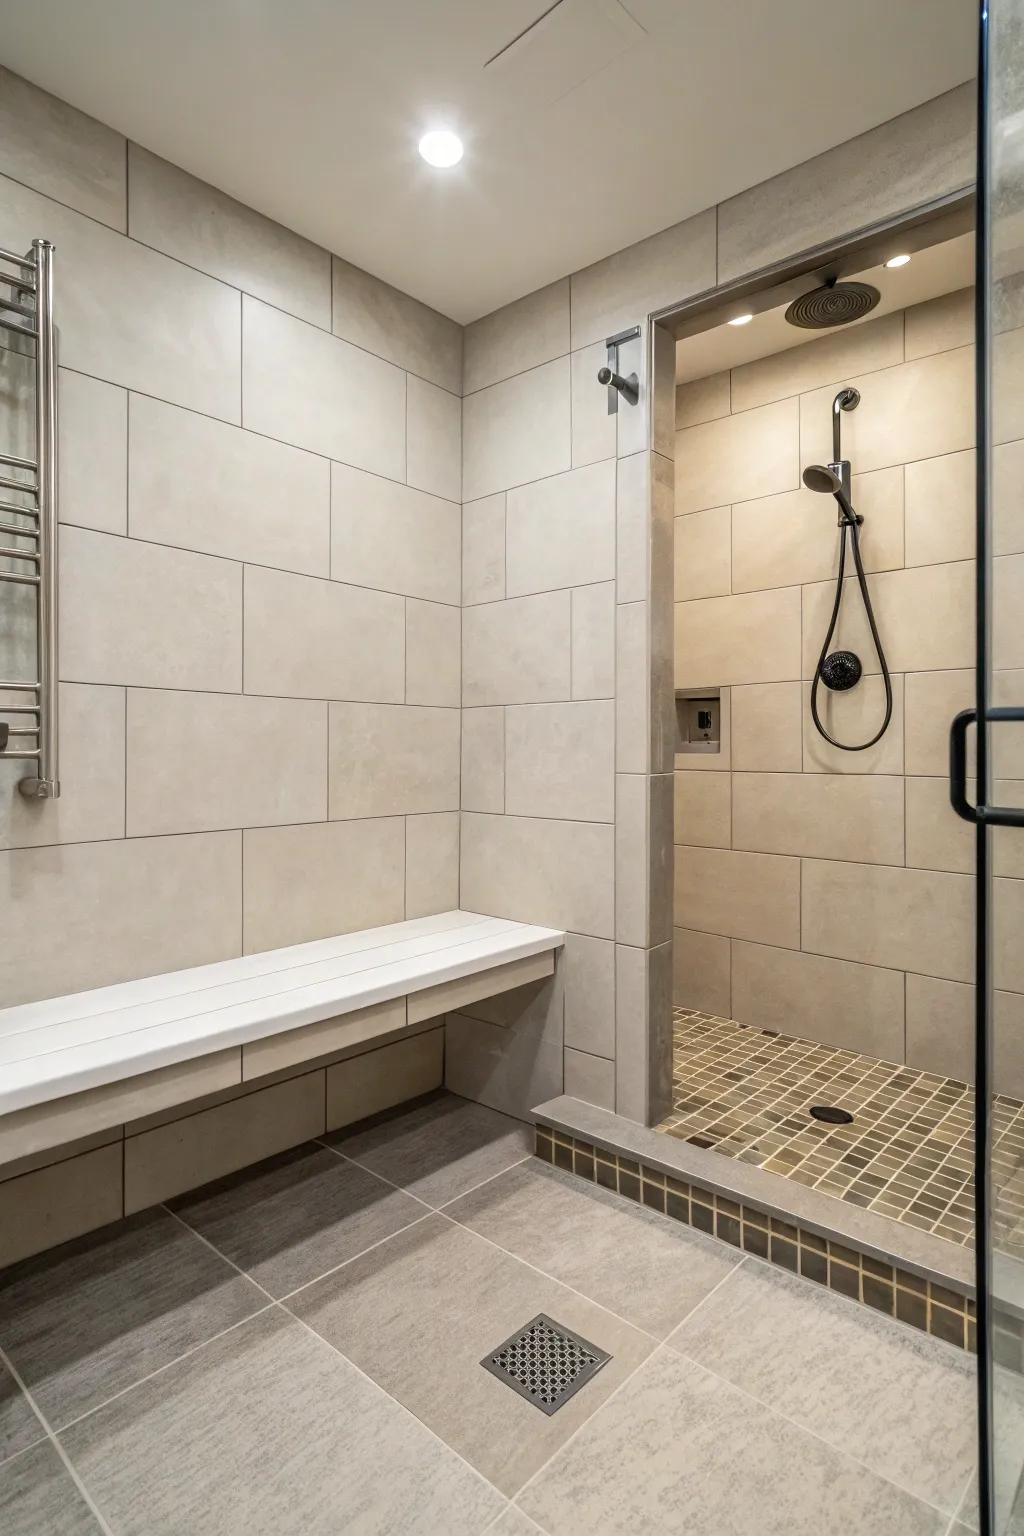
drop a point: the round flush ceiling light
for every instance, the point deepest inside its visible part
(897, 261)
(441, 147)
(741, 319)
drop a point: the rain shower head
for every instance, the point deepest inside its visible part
(818, 477)
(832, 304)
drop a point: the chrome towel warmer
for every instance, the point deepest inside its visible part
(28, 311)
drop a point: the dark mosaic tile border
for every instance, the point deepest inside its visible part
(946, 1314)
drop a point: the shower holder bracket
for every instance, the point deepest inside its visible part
(628, 387)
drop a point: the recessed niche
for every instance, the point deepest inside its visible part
(698, 720)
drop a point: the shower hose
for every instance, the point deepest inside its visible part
(850, 523)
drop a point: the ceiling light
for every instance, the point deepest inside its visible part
(897, 261)
(441, 147)
(741, 319)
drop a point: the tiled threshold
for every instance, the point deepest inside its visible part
(913, 1276)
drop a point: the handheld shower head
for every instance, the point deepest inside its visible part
(819, 477)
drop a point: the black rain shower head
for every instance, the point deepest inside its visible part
(832, 304)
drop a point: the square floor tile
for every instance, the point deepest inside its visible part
(681, 1453)
(650, 1270)
(440, 1149)
(419, 1312)
(19, 1426)
(292, 1218)
(897, 1400)
(268, 1430)
(38, 1497)
(90, 1318)
(514, 1523)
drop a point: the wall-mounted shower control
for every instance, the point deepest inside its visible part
(699, 721)
(628, 386)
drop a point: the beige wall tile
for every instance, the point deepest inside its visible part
(208, 486)
(703, 809)
(507, 1069)
(1007, 927)
(632, 524)
(887, 427)
(433, 654)
(52, 1205)
(431, 864)
(588, 966)
(1009, 1044)
(593, 641)
(302, 386)
(519, 336)
(594, 432)
(483, 760)
(167, 903)
(141, 614)
(701, 971)
(633, 856)
(941, 323)
(312, 882)
(937, 838)
(858, 350)
(901, 918)
(853, 1007)
(766, 728)
(752, 638)
(1007, 573)
(932, 699)
(560, 760)
(854, 717)
(560, 532)
(551, 872)
(1007, 521)
(781, 540)
(703, 400)
(197, 762)
(940, 508)
(434, 449)
(632, 688)
(738, 457)
(314, 639)
(1007, 739)
(820, 815)
(71, 157)
(420, 747)
(1007, 397)
(390, 324)
(590, 1078)
(92, 457)
(483, 550)
(19, 1165)
(925, 616)
(186, 1153)
(516, 652)
(703, 554)
(297, 1049)
(393, 537)
(752, 896)
(940, 1027)
(91, 803)
(622, 289)
(184, 217)
(517, 431)
(377, 1080)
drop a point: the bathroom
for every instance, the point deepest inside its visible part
(474, 1054)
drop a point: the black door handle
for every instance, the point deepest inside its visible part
(991, 815)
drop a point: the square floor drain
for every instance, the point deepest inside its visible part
(545, 1363)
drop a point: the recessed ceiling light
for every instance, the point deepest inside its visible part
(897, 261)
(441, 147)
(741, 319)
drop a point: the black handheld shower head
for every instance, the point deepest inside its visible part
(819, 477)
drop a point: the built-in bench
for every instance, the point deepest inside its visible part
(73, 1065)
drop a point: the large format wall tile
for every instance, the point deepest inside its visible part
(431, 863)
(392, 325)
(560, 532)
(933, 698)
(853, 1007)
(91, 803)
(122, 909)
(703, 809)
(593, 641)
(560, 760)
(483, 760)
(393, 537)
(701, 971)
(139, 613)
(854, 716)
(305, 387)
(540, 871)
(766, 728)
(516, 652)
(589, 966)
(55, 1203)
(941, 323)
(434, 440)
(624, 288)
(925, 617)
(941, 508)
(483, 550)
(521, 335)
(517, 431)
(419, 746)
(92, 451)
(594, 432)
(200, 761)
(314, 639)
(207, 486)
(53, 147)
(184, 217)
(703, 554)
(738, 457)
(860, 349)
(819, 815)
(907, 919)
(751, 638)
(310, 882)
(752, 896)
(433, 653)
(703, 399)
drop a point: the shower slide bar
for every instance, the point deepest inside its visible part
(34, 525)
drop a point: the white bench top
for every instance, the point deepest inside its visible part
(64, 1045)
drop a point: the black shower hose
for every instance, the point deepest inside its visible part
(851, 524)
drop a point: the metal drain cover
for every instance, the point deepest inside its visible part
(545, 1363)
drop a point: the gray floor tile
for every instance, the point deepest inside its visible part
(1008, 1456)
(38, 1497)
(418, 1314)
(440, 1149)
(648, 1269)
(19, 1426)
(895, 1399)
(267, 1431)
(87, 1319)
(514, 1523)
(680, 1453)
(292, 1218)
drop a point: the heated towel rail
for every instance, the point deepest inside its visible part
(28, 525)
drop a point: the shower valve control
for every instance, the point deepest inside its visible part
(627, 386)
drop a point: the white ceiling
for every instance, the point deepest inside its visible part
(605, 123)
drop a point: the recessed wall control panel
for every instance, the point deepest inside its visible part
(699, 721)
